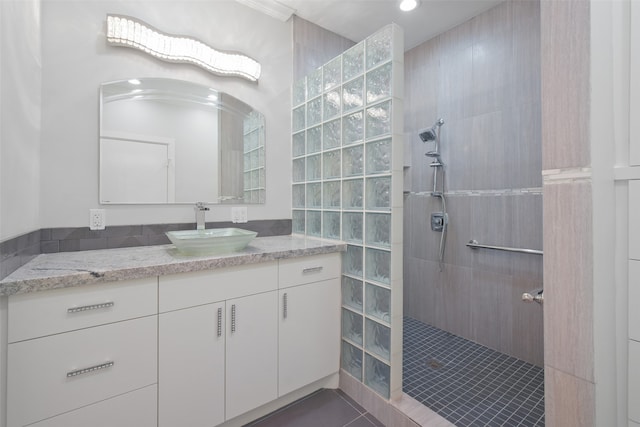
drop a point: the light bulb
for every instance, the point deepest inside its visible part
(407, 5)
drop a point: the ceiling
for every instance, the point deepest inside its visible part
(357, 19)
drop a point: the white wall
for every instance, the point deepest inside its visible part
(76, 59)
(20, 81)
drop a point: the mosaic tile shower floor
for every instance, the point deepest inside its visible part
(467, 383)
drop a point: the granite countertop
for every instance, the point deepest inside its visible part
(68, 269)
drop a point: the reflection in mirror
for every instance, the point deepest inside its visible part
(170, 141)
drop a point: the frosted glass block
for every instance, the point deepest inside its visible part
(331, 225)
(379, 83)
(246, 162)
(352, 360)
(352, 97)
(378, 303)
(254, 159)
(352, 293)
(378, 266)
(313, 167)
(297, 225)
(261, 178)
(332, 73)
(255, 179)
(377, 375)
(352, 194)
(314, 83)
(377, 339)
(331, 164)
(352, 326)
(298, 196)
(331, 134)
(353, 161)
(378, 193)
(332, 104)
(314, 140)
(250, 141)
(352, 261)
(299, 148)
(352, 227)
(314, 195)
(353, 62)
(314, 111)
(331, 195)
(297, 120)
(352, 128)
(246, 180)
(298, 170)
(314, 223)
(378, 120)
(378, 226)
(299, 91)
(378, 48)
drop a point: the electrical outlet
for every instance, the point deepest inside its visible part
(96, 219)
(239, 214)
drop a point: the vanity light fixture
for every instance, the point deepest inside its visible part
(129, 32)
(134, 81)
(408, 5)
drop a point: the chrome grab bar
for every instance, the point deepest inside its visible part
(473, 244)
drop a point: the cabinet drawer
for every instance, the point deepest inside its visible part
(52, 375)
(634, 219)
(634, 300)
(297, 271)
(135, 409)
(634, 380)
(191, 289)
(45, 313)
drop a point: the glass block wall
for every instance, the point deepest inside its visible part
(347, 184)
(254, 173)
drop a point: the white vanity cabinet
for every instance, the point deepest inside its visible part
(309, 320)
(218, 344)
(71, 350)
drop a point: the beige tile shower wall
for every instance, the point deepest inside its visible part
(313, 46)
(570, 388)
(483, 79)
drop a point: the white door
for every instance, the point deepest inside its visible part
(191, 367)
(252, 352)
(309, 334)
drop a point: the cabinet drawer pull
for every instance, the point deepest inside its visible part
(284, 305)
(89, 369)
(90, 307)
(219, 321)
(233, 318)
(312, 270)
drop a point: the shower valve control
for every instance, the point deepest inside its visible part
(438, 221)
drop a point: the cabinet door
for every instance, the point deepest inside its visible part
(191, 367)
(252, 352)
(309, 334)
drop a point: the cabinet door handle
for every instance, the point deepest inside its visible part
(233, 318)
(284, 305)
(219, 321)
(75, 373)
(90, 307)
(312, 270)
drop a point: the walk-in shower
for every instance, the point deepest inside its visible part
(439, 220)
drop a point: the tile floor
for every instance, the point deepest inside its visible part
(324, 408)
(467, 383)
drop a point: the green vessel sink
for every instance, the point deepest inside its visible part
(211, 241)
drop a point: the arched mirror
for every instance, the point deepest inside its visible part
(168, 141)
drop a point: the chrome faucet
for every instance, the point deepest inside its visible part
(200, 209)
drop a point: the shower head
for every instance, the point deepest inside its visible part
(430, 134)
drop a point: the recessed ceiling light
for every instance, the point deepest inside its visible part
(407, 5)
(134, 81)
